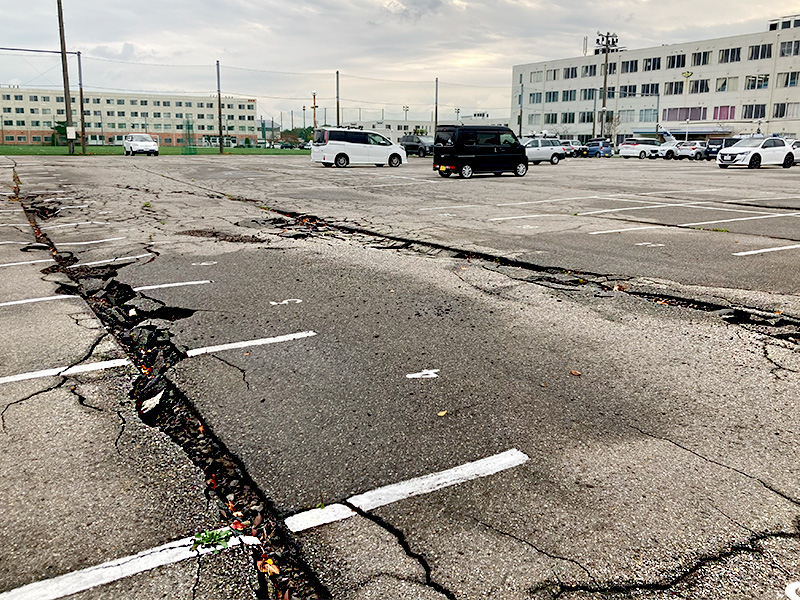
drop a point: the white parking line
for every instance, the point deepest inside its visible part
(42, 299)
(767, 216)
(108, 364)
(136, 289)
(169, 285)
(778, 249)
(595, 197)
(27, 262)
(528, 217)
(110, 260)
(627, 229)
(11, 210)
(407, 489)
(449, 207)
(146, 560)
(629, 208)
(77, 224)
(14, 224)
(89, 243)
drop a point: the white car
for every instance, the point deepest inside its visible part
(572, 147)
(543, 149)
(692, 149)
(668, 150)
(341, 147)
(754, 152)
(638, 147)
(140, 143)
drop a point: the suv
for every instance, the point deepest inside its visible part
(469, 149)
(573, 147)
(598, 148)
(341, 146)
(140, 143)
(541, 149)
(693, 150)
(715, 144)
(421, 145)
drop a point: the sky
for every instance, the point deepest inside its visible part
(388, 52)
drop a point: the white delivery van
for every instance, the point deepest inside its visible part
(341, 147)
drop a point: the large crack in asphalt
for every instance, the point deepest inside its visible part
(141, 326)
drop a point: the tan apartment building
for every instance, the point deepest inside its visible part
(29, 115)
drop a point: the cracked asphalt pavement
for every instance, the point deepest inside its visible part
(338, 331)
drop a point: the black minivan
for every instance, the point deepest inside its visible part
(469, 149)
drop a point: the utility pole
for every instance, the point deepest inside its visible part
(606, 42)
(436, 107)
(337, 99)
(83, 116)
(65, 76)
(521, 94)
(219, 111)
(314, 106)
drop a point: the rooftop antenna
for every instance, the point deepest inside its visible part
(585, 44)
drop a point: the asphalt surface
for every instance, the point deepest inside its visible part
(649, 375)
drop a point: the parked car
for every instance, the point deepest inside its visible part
(715, 144)
(691, 149)
(572, 147)
(341, 147)
(287, 145)
(140, 143)
(598, 148)
(304, 146)
(668, 150)
(544, 149)
(754, 152)
(637, 146)
(421, 145)
(470, 149)
(796, 151)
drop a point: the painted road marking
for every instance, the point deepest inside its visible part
(110, 260)
(449, 207)
(204, 264)
(627, 229)
(407, 489)
(762, 216)
(553, 200)
(27, 262)
(92, 242)
(12, 210)
(424, 374)
(528, 217)
(77, 224)
(247, 344)
(136, 289)
(14, 224)
(778, 249)
(146, 560)
(121, 362)
(629, 208)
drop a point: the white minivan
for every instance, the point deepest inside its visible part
(341, 147)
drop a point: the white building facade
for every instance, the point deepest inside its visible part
(734, 85)
(29, 115)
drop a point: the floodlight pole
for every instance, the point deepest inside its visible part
(605, 41)
(219, 110)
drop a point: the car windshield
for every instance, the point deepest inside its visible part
(426, 139)
(749, 143)
(593, 144)
(140, 138)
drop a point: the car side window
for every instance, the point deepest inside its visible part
(467, 138)
(357, 137)
(533, 144)
(377, 140)
(769, 144)
(507, 139)
(779, 142)
(488, 138)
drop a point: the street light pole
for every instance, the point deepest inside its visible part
(314, 106)
(605, 41)
(405, 110)
(686, 76)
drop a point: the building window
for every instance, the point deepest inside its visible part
(9, 138)
(22, 138)
(143, 103)
(552, 74)
(724, 113)
(586, 117)
(19, 123)
(701, 58)
(37, 138)
(676, 61)
(18, 97)
(156, 115)
(535, 119)
(95, 100)
(759, 52)
(189, 104)
(569, 95)
(756, 82)
(166, 102)
(35, 123)
(649, 89)
(788, 79)
(588, 71)
(652, 64)
(550, 118)
(791, 48)
(120, 113)
(729, 55)
(551, 97)
(698, 86)
(587, 94)
(786, 110)
(612, 68)
(754, 111)
(627, 90)
(121, 101)
(568, 117)
(109, 113)
(108, 101)
(629, 66)
(648, 115)
(33, 98)
(695, 113)
(19, 110)
(626, 116)
(673, 88)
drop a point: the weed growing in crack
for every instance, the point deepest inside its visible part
(216, 539)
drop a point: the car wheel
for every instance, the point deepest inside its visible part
(626, 157)
(497, 173)
(465, 172)
(788, 161)
(698, 156)
(395, 160)
(421, 153)
(554, 159)
(536, 162)
(642, 155)
(379, 165)
(723, 166)
(755, 162)
(341, 161)
(127, 153)
(444, 173)
(669, 155)
(327, 164)
(520, 170)
(156, 153)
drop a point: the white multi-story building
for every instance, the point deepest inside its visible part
(394, 129)
(29, 115)
(733, 85)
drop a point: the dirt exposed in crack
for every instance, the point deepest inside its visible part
(222, 236)
(141, 325)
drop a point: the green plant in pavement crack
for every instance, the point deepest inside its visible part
(217, 538)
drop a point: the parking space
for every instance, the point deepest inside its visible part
(489, 421)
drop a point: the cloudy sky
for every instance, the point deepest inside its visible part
(388, 52)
